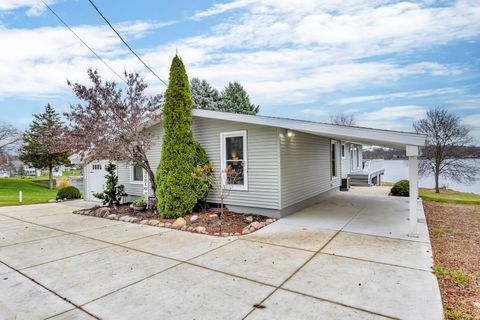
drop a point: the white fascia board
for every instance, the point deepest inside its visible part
(388, 138)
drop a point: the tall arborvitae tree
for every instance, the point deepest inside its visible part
(235, 99)
(204, 96)
(177, 191)
(40, 141)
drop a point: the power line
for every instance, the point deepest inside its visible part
(86, 45)
(121, 38)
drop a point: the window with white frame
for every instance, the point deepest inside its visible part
(234, 159)
(136, 174)
(333, 158)
(343, 150)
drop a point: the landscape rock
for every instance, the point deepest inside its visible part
(225, 234)
(200, 229)
(193, 218)
(168, 225)
(135, 220)
(179, 223)
(257, 225)
(183, 228)
(145, 221)
(249, 218)
(245, 231)
(59, 200)
(101, 212)
(269, 220)
(52, 201)
(213, 216)
(111, 216)
(153, 222)
(236, 234)
(161, 224)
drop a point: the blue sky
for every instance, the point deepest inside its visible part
(384, 61)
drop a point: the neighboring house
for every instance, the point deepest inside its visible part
(30, 171)
(288, 164)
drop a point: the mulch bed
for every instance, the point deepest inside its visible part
(455, 236)
(208, 222)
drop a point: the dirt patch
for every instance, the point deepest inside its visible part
(207, 222)
(455, 236)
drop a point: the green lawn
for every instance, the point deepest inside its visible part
(32, 192)
(68, 173)
(449, 196)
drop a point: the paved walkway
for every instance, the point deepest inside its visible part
(344, 258)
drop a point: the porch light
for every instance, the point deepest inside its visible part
(290, 133)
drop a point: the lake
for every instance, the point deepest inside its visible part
(398, 169)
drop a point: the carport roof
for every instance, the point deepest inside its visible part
(361, 135)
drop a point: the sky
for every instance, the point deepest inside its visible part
(387, 62)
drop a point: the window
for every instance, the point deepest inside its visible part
(343, 151)
(234, 159)
(136, 174)
(96, 167)
(333, 157)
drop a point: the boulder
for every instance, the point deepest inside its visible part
(179, 223)
(249, 219)
(145, 221)
(168, 225)
(161, 224)
(52, 201)
(193, 218)
(246, 231)
(269, 220)
(153, 222)
(200, 229)
(257, 225)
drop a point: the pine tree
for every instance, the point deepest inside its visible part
(113, 193)
(235, 99)
(41, 140)
(177, 192)
(204, 96)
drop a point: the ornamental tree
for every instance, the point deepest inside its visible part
(40, 143)
(110, 124)
(178, 191)
(235, 99)
(113, 193)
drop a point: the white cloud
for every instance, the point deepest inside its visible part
(393, 118)
(35, 7)
(282, 51)
(314, 112)
(395, 95)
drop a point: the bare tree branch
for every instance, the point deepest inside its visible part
(344, 119)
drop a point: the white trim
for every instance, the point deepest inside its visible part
(223, 160)
(343, 152)
(358, 135)
(132, 176)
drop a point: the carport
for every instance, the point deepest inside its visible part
(408, 141)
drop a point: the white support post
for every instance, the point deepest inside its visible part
(412, 153)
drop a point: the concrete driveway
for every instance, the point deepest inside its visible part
(344, 258)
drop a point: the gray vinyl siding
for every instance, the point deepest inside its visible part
(124, 170)
(305, 167)
(262, 160)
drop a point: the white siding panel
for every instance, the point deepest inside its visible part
(305, 167)
(123, 171)
(262, 154)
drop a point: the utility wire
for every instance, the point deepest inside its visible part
(86, 45)
(121, 38)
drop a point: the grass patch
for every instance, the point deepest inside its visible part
(75, 173)
(457, 276)
(437, 231)
(457, 315)
(32, 192)
(449, 196)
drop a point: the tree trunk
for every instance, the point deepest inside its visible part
(50, 177)
(437, 189)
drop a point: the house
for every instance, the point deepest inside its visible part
(288, 164)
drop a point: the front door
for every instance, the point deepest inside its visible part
(96, 179)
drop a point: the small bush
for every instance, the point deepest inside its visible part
(69, 192)
(401, 188)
